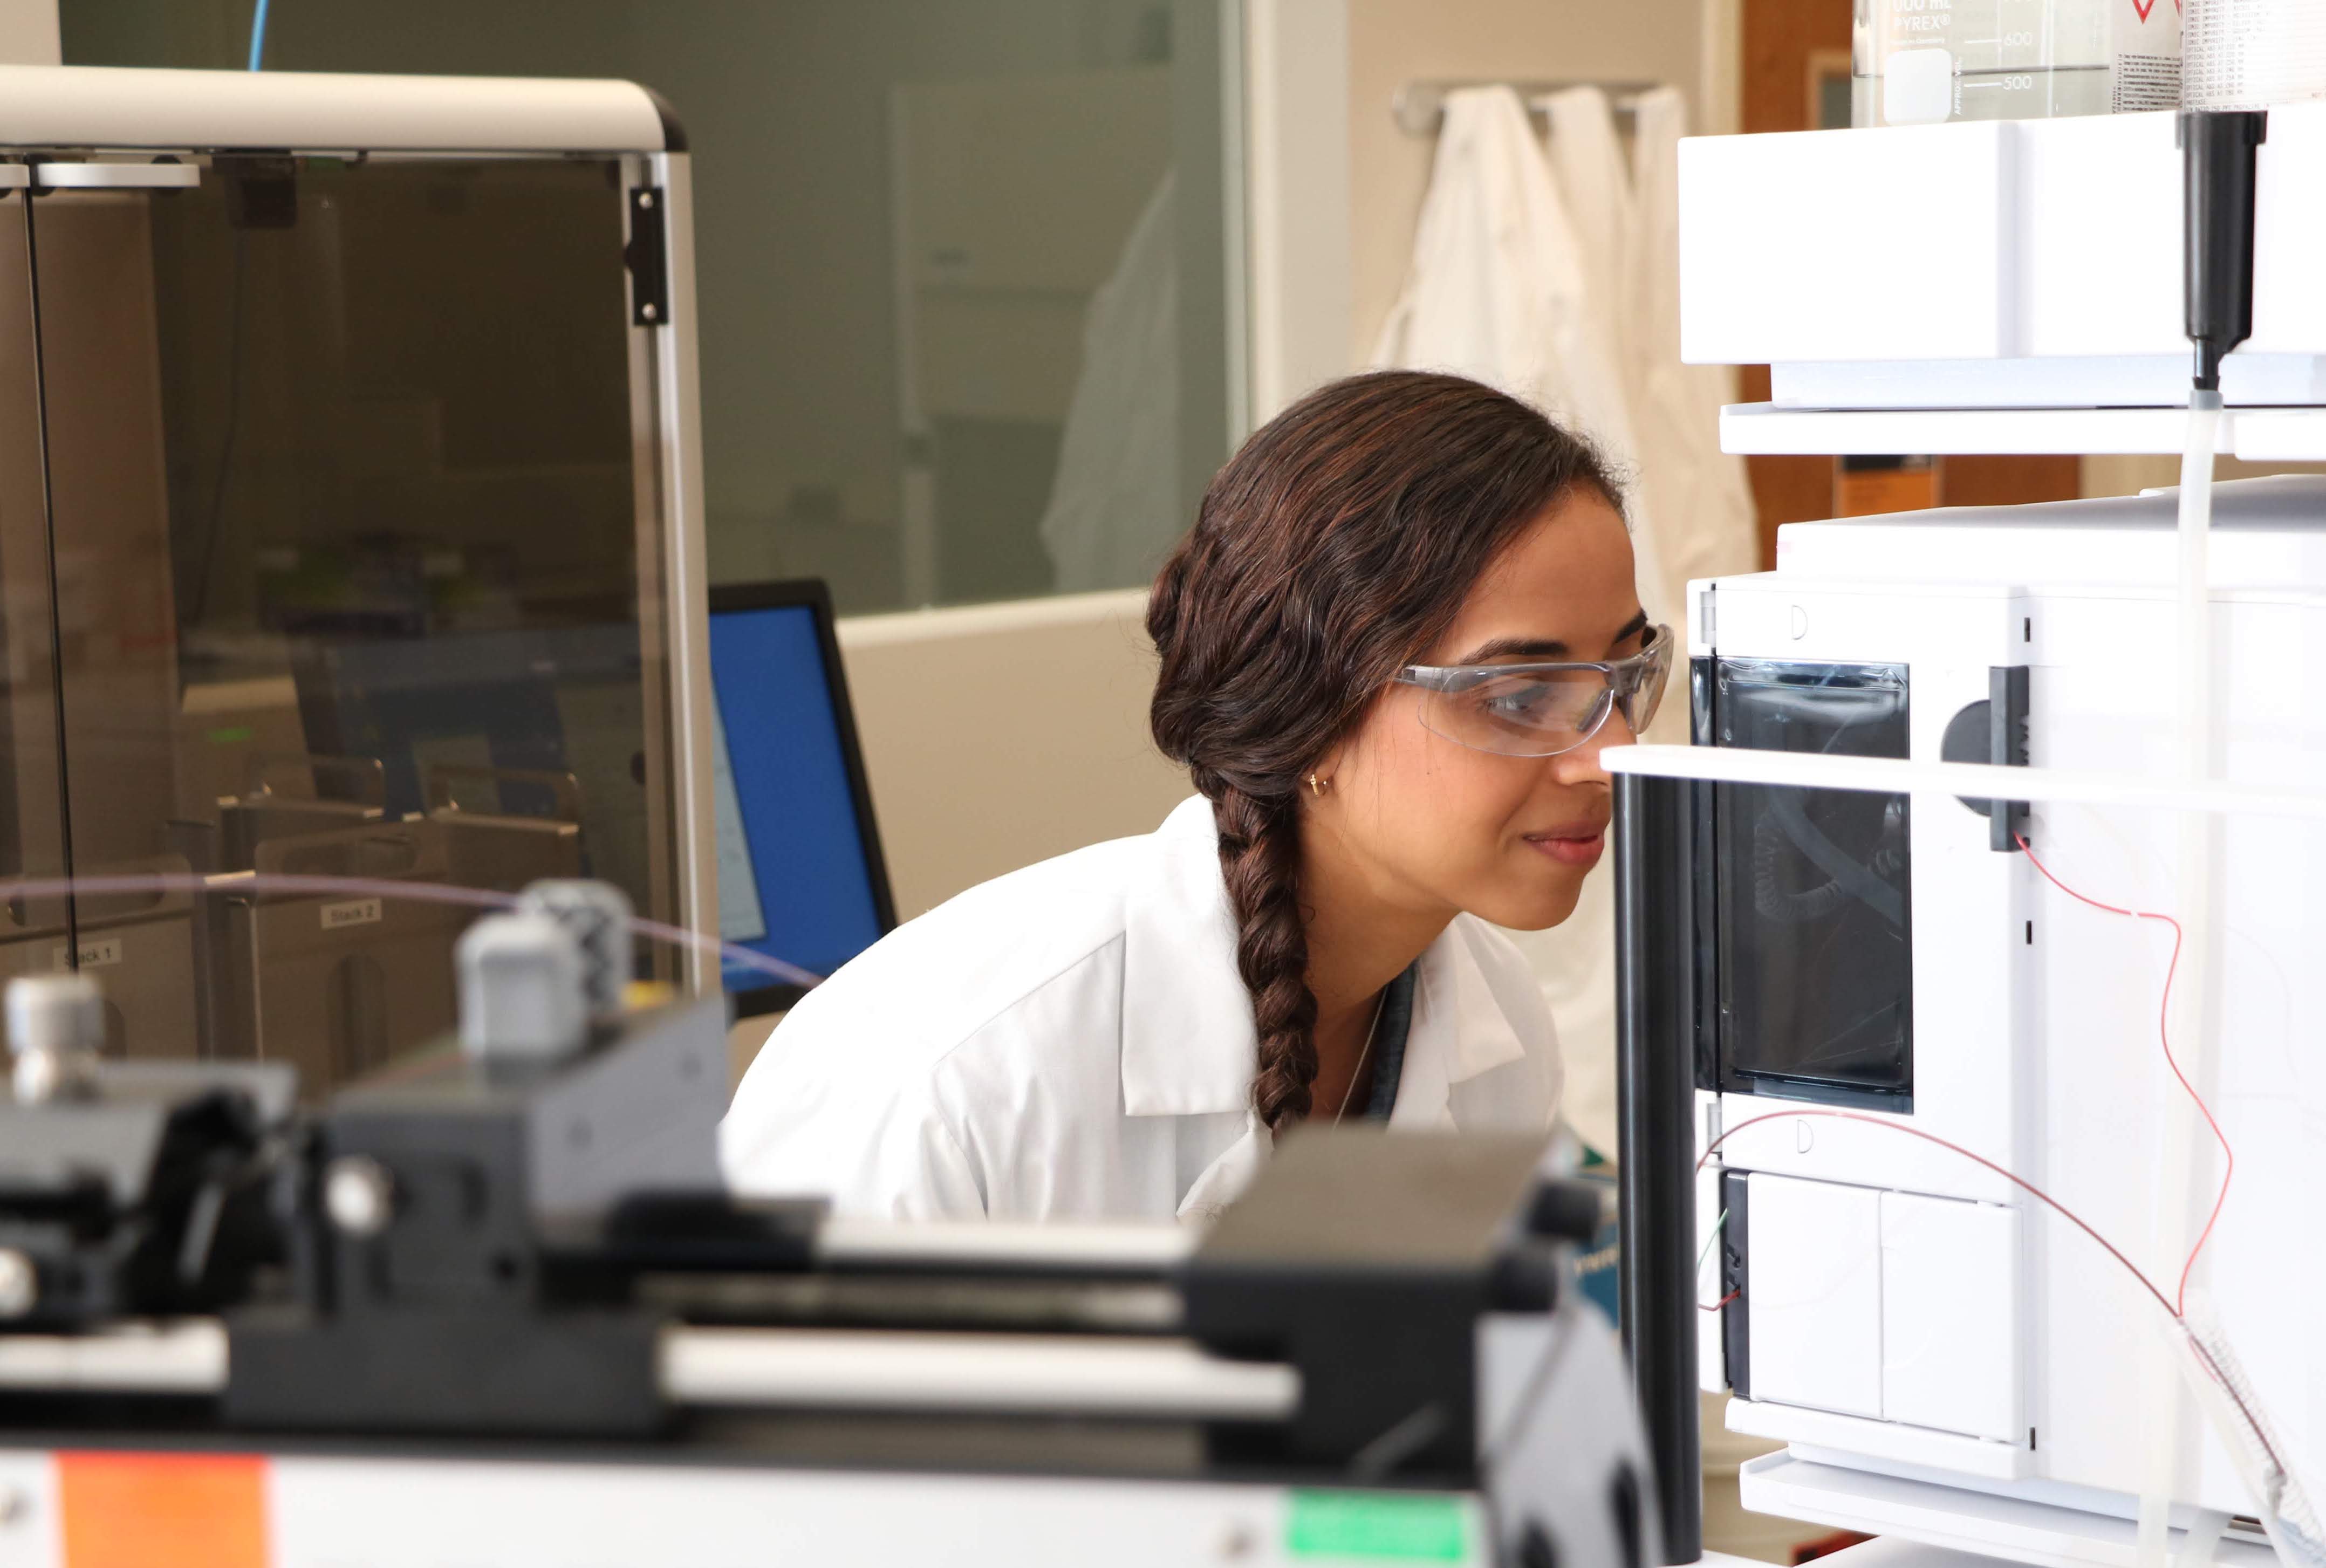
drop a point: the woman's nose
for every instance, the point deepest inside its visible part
(1582, 765)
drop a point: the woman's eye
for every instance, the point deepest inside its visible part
(1518, 702)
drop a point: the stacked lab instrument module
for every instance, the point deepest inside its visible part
(1937, 1040)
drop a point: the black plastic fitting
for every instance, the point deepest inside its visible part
(2220, 149)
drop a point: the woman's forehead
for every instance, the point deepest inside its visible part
(1567, 580)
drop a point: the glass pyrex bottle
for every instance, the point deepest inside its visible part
(1915, 62)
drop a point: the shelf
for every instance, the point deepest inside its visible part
(1993, 287)
(2256, 434)
(1963, 780)
(1793, 1483)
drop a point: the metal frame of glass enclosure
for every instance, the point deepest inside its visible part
(350, 525)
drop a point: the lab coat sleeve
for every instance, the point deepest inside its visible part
(880, 1149)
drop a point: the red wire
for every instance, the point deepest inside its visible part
(2176, 1308)
(2164, 1038)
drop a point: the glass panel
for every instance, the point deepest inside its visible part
(1816, 961)
(963, 263)
(35, 936)
(341, 459)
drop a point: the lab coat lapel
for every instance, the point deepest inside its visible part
(1189, 1046)
(1224, 1180)
(1457, 1033)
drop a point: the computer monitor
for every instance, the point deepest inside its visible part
(801, 876)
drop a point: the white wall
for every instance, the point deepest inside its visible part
(1297, 191)
(28, 32)
(997, 736)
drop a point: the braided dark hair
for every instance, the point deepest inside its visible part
(1335, 548)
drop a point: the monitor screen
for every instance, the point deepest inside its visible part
(800, 874)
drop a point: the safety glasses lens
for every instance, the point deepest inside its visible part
(1541, 712)
(1640, 708)
(1522, 714)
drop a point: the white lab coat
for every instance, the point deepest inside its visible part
(1071, 1040)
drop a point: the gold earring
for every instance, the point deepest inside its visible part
(1316, 787)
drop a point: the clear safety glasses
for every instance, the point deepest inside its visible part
(1540, 710)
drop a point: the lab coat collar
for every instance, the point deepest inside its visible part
(1459, 1030)
(1189, 1047)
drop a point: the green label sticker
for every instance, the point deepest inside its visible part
(1377, 1527)
(231, 735)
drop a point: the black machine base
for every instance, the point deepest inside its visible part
(576, 1371)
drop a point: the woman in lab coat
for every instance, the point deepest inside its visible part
(1391, 648)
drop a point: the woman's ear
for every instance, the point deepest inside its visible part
(1317, 780)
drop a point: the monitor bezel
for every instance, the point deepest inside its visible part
(812, 594)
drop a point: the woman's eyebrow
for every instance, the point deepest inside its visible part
(1514, 647)
(1544, 647)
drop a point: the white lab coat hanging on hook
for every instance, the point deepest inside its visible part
(1586, 153)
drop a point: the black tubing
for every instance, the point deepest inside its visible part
(1655, 1058)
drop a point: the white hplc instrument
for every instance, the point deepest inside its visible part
(1928, 1034)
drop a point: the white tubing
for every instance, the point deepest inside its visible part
(991, 1245)
(2193, 577)
(1055, 1375)
(794, 1369)
(186, 1355)
(2163, 1402)
(2225, 1392)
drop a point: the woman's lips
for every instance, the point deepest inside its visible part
(1572, 847)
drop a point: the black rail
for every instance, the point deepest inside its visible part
(1655, 1054)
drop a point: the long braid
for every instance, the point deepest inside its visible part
(1260, 857)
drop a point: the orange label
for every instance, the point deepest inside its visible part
(149, 1510)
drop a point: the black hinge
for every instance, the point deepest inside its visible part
(2007, 717)
(1704, 871)
(1735, 1245)
(1995, 732)
(648, 258)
